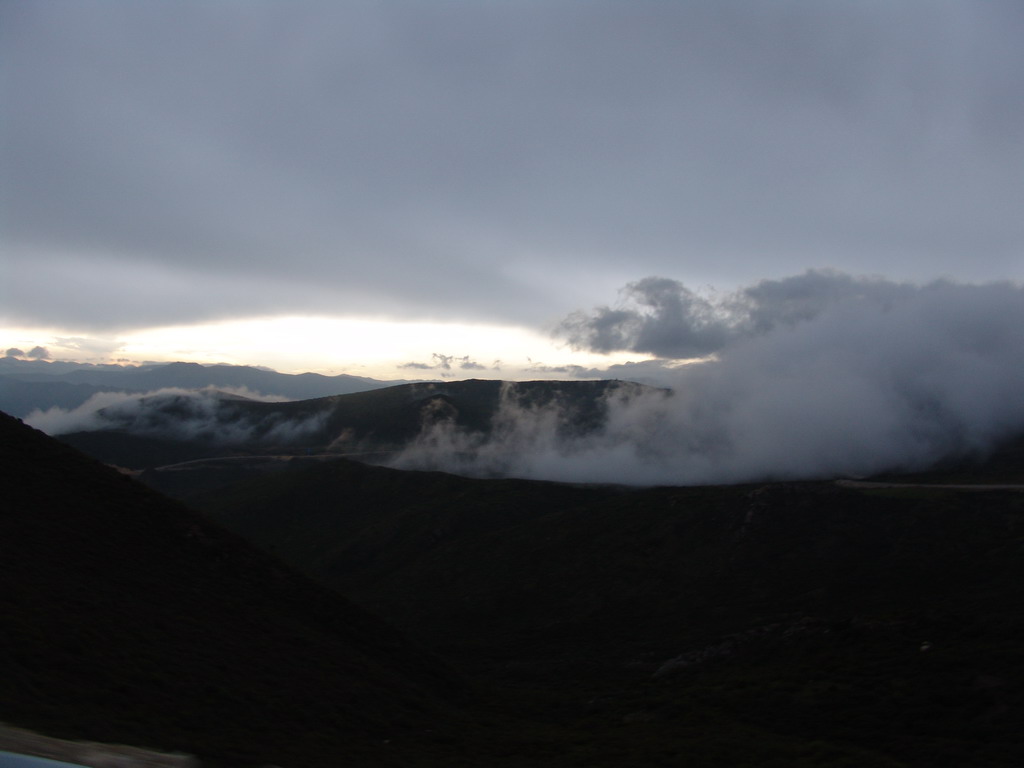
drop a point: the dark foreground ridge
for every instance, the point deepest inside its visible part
(796, 624)
(127, 618)
(801, 623)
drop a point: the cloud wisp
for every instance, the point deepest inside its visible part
(208, 415)
(814, 376)
(445, 363)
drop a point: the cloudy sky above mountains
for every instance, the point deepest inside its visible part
(360, 186)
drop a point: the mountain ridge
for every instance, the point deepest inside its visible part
(28, 385)
(387, 419)
(130, 618)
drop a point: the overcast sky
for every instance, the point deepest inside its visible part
(496, 164)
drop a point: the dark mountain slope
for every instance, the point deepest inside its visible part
(128, 618)
(392, 533)
(437, 552)
(734, 624)
(375, 421)
(131, 451)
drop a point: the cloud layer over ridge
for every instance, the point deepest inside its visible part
(815, 376)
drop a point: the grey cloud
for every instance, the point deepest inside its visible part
(441, 362)
(769, 303)
(14, 352)
(886, 377)
(663, 317)
(39, 353)
(576, 371)
(190, 161)
(654, 373)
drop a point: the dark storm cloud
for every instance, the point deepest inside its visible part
(170, 162)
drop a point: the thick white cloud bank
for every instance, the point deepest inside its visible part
(879, 378)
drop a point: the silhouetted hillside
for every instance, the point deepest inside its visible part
(797, 624)
(128, 618)
(873, 627)
(124, 449)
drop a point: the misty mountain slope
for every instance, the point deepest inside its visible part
(1003, 465)
(796, 611)
(382, 420)
(128, 618)
(20, 397)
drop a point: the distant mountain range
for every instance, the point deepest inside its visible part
(27, 385)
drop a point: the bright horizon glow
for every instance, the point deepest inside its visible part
(328, 345)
